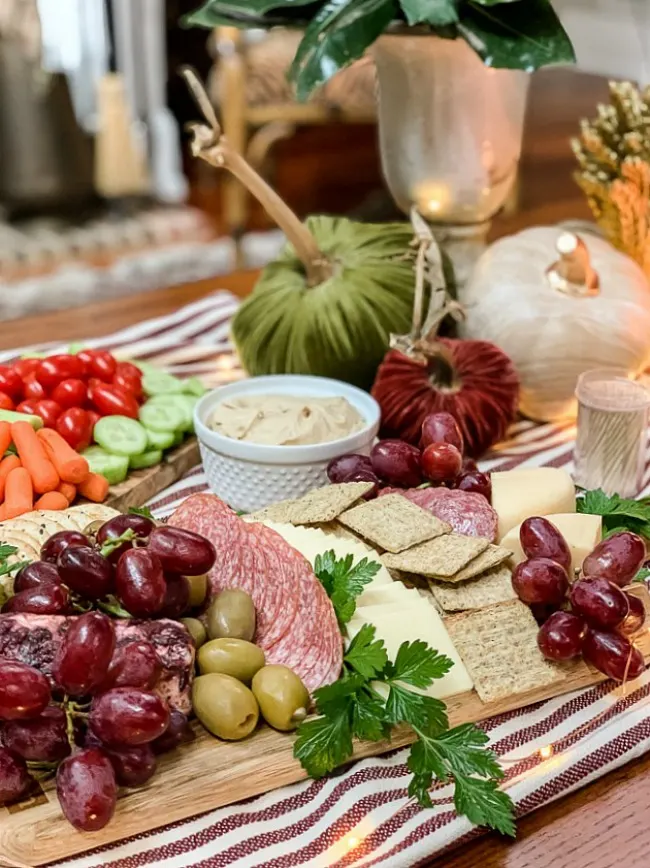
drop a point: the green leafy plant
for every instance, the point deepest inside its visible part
(514, 34)
(618, 513)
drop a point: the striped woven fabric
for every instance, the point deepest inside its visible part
(362, 817)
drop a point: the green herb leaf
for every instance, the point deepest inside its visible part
(328, 698)
(6, 569)
(484, 804)
(343, 581)
(368, 718)
(418, 665)
(436, 12)
(642, 576)
(618, 513)
(324, 743)
(419, 711)
(7, 550)
(366, 655)
(141, 510)
(463, 749)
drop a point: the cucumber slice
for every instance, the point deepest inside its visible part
(163, 414)
(146, 459)
(188, 402)
(193, 386)
(145, 367)
(11, 416)
(114, 467)
(160, 383)
(179, 436)
(120, 435)
(160, 439)
(75, 348)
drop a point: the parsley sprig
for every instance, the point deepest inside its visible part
(374, 694)
(6, 569)
(618, 513)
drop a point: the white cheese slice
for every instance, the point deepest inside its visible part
(420, 621)
(518, 494)
(377, 595)
(582, 533)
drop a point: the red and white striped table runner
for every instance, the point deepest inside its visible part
(362, 817)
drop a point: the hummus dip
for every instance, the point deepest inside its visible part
(285, 420)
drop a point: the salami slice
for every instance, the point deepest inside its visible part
(467, 512)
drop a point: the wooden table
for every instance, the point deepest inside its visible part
(602, 824)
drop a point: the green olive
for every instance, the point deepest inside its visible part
(198, 590)
(233, 657)
(225, 707)
(196, 630)
(282, 697)
(231, 615)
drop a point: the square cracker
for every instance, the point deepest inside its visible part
(393, 523)
(498, 645)
(316, 507)
(493, 586)
(492, 556)
(438, 558)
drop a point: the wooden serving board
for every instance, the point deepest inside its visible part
(209, 773)
(141, 485)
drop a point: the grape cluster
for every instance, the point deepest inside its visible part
(438, 461)
(98, 721)
(592, 616)
(126, 560)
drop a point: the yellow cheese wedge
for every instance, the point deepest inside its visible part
(582, 533)
(518, 494)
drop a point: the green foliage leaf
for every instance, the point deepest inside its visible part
(421, 712)
(484, 804)
(328, 699)
(250, 13)
(323, 744)
(418, 665)
(343, 581)
(618, 513)
(368, 718)
(142, 510)
(7, 550)
(463, 749)
(366, 655)
(439, 13)
(522, 35)
(642, 576)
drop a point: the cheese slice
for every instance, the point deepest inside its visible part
(582, 533)
(394, 594)
(518, 494)
(419, 621)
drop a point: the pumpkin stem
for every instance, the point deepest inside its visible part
(210, 144)
(442, 371)
(573, 274)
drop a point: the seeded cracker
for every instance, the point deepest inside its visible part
(493, 586)
(280, 512)
(318, 506)
(393, 523)
(493, 556)
(498, 645)
(440, 558)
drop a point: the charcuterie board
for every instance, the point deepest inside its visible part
(209, 773)
(141, 485)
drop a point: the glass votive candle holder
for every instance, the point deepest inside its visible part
(611, 440)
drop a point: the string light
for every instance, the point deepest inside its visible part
(546, 752)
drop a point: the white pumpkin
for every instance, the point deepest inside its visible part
(558, 305)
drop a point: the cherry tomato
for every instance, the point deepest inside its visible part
(27, 407)
(5, 402)
(52, 370)
(11, 383)
(128, 384)
(103, 365)
(24, 367)
(110, 400)
(94, 419)
(32, 389)
(86, 357)
(76, 427)
(70, 393)
(49, 411)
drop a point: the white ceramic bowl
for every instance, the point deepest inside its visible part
(249, 476)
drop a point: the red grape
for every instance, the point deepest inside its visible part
(35, 575)
(635, 617)
(140, 582)
(181, 551)
(541, 539)
(85, 571)
(601, 603)
(46, 600)
(24, 691)
(441, 428)
(540, 580)
(117, 527)
(476, 482)
(469, 465)
(134, 765)
(612, 654)
(135, 664)
(58, 542)
(441, 462)
(85, 654)
(560, 637)
(178, 732)
(617, 558)
(397, 463)
(177, 596)
(15, 780)
(87, 789)
(42, 739)
(128, 716)
(341, 468)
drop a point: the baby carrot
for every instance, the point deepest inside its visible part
(94, 488)
(33, 457)
(70, 466)
(52, 500)
(68, 490)
(5, 437)
(6, 466)
(19, 493)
